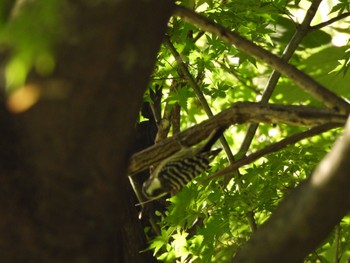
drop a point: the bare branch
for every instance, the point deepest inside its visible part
(300, 78)
(308, 214)
(188, 76)
(293, 44)
(273, 148)
(198, 92)
(337, 244)
(330, 21)
(240, 112)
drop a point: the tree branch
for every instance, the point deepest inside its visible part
(193, 84)
(273, 148)
(308, 214)
(318, 91)
(240, 112)
(330, 21)
(293, 44)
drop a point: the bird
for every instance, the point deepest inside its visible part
(174, 172)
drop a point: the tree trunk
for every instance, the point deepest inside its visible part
(65, 196)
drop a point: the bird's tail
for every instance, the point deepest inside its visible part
(213, 137)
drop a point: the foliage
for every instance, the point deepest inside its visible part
(208, 222)
(30, 40)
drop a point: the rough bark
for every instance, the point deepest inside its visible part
(240, 112)
(65, 196)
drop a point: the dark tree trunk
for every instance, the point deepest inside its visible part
(65, 196)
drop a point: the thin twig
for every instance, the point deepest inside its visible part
(330, 21)
(293, 44)
(238, 78)
(251, 221)
(337, 239)
(273, 148)
(198, 92)
(303, 80)
(176, 109)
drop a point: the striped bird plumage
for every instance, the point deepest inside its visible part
(176, 171)
(179, 173)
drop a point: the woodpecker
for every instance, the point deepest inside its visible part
(176, 171)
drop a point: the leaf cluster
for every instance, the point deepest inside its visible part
(28, 31)
(208, 222)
